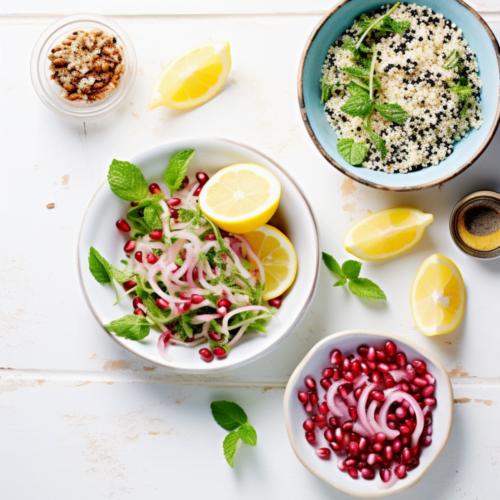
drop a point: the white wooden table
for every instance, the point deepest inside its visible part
(81, 418)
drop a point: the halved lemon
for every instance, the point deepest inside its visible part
(437, 296)
(193, 78)
(276, 253)
(386, 233)
(240, 198)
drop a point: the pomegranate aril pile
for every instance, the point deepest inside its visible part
(373, 408)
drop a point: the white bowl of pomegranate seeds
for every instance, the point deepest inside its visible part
(293, 216)
(368, 413)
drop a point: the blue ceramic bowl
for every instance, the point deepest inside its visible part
(481, 40)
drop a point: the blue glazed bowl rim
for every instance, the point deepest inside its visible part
(367, 182)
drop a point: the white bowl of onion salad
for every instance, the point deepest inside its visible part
(368, 413)
(185, 279)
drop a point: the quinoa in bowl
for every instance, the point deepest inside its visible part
(401, 87)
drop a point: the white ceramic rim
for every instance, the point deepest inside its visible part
(207, 368)
(299, 371)
(40, 68)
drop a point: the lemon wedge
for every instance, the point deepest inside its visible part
(240, 198)
(276, 253)
(193, 78)
(437, 296)
(386, 233)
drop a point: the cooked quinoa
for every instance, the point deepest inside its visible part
(411, 74)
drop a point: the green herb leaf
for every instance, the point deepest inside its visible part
(99, 267)
(326, 89)
(366, 289)
(127, 181)
(393, 112)
(358, 53)
(151, 210)
(389, 25)
(357, 90)
(229, 447)
(358, 105)
(187, 326)
(352, 152)
(186, 215)
(463, 111)
(357, 72)
(152, 213)
(248, 435)
(228, 415)
(452, 60)
(462, 91)
(177, 168)
(341, 282)
(130, 326)
(332, 264)
(351, 269)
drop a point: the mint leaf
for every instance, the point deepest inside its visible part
(357, 72)
(341, 282)
(366, 289)
(462, 91)
(359, 105)
(229, 447)
(177, 169)
(452, 60)
(248, 435)
(99, 267)
(352, 152)
(127, 181)
(356, 90)
(186, 325)
(326, 89)
(391, 26)
(131, 327)
(332, 264)
(146, 215)
(351, 268)
(186, 215)
(152, 214)
(393, 112)
(228, 415)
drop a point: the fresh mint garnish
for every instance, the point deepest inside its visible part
(127, 181)
(177, 169)
(130, 326)
(362, 287)
(146, 215)
(452, 60)
(358, 105)
(393, 112)
(352, 152)
(232, 417)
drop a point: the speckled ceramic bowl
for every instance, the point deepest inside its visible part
(482, 41)
(326, 470)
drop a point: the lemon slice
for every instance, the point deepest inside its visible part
(193, 78)
(437, 296)
(241, 197)
(386, 233)
(277, 256)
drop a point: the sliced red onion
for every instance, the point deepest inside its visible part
(370, 415)
(251, 254)
(392, 481)
(238, 264)
(202, 318)
(229, 315)
(363, 398)
(330, 398)
(207, 246)
(363, 378)
(248, 321)
(399, 375)
(192, 238)
(161, 345)
(392, 389)
(151, 277)
(351, 399)
(238, 336)
(393, 433)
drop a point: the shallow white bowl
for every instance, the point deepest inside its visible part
(313, 363)
(294, 217)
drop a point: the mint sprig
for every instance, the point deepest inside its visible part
(130, 326)
(127, 181)
(177, 169)
(232, 417)
(349, 272)
(352, 152)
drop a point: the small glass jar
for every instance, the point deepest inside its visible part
(50, 92)
(486, 246)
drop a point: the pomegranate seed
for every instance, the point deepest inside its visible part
(209, 237)
(353, 412)
(336, 374)
(155, 189)
(335, 446)
(313, 398)
(152, 258)
(222, 311)
(327, 373)
(430, 378)
(428, 391)
(392, 417)
(404, 429)
(128, 285)
(347, 426)
(385, 475)
(405, 440)
(320, 420)
(323, 453)
(381, 356)
(372, 365)
(308, 407)
(134, 204)
(378, 447)
(310, 437)
(185, 181)
(401, 359)
(136, 302)
(309, 424)
(396, 445)
(339, 434)
(426, 440)
(217, 337)
(380, 437)
(353, 472)
(184, 296)
(156, 234)
(197, 299)
(390, 348)
(371, 355)
(139, 312)
(363, 443)
(383, 367)
(367, 473)
(388, 452)
(123, 225)
(420, 366)
(220, 353)
(138, 256)
(173, 202)
(198, 190)
(400, 412)
(223, 233)
(329, 435)
(162, 303)
(341, 465)
(379, 396)
(206, 355)
(310, 383)
(333, 422)
(275, 303)
(428, 430)
(357, 392)
(355, 366)
(336, 357)
(421, 382)
(174, 214)
(303, 397)
(376, 377)
(224, 303)
(129, 246)
(373, 458)
(364, 368)
(363, 350)
(410, 370)
(349, 376)
(400, 471)
(429, 401)
(323, 408)
(418, 397)
(343, 391)
(415, 452)
(202, 177)
(346, 364)
(353, 449)
(393, 366)
(389, 380)
(405, 387)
